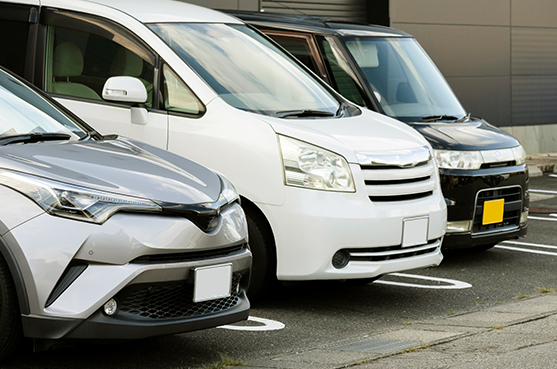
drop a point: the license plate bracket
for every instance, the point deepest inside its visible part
(415, 231)
(212, 282)
(493, 211)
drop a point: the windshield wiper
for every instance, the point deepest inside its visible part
(303, 113)
(435, 118)
(33, 137)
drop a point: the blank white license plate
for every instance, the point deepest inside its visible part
(414, 231)
(212, 282)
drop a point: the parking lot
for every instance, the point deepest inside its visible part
(300, 317)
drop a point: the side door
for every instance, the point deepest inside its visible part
(80, 53)
(18, 32)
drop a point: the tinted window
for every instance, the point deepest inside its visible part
(79, 63)
(13, 45)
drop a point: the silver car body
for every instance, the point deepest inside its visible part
(132, 256)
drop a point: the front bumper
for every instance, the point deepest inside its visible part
(464, 193)
(145, 262)
(314, 225)
(100, 326)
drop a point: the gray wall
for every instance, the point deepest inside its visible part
(353, 10)
(499, 56)
(252, 5)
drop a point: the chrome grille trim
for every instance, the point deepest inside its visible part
(395, 176)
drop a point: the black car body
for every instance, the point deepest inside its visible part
(483, 173)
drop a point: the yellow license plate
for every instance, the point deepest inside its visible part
(493, 211)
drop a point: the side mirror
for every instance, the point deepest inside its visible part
(125, 89)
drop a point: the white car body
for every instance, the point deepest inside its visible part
(308, 226)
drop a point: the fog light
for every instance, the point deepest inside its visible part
(111, 307)
(524, 217)
(341, 259)
(460, 226)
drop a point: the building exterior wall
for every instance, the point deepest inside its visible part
(499, 56)
(251, 5)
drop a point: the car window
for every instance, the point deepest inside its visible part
(403, 78)
(177, 97)
(302, 46)
(24, 111)
(246, 70)
(78, 62)
(14, 33)
(344, 80)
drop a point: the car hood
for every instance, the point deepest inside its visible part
(120, 166)
(473, 135)
(367, 132)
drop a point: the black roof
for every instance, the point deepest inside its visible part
(313, 24)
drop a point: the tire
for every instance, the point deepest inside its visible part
(10, 319)
(264, 264)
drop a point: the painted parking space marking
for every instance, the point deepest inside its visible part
(542, 218)
(532, 251)
(268, 325)
(553, 175)
(526, 250)
(531, 244)
(452, 284)
(544, 191)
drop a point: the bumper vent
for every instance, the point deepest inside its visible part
(511, 212)
(172, 300)
(375, 254)
(189, 256)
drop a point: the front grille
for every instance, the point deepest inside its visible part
(511, 213)
(189, 256)
(398, 176)
(498, 164)
(170, 300)
(375, 254)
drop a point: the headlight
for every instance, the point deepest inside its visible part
(519, 155)
(228, 191)
(309, 166)
(71, 201)
(464, 160)
(473, 160)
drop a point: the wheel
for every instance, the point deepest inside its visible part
(264, 265)
(10, 320)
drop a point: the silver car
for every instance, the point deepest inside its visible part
(109, 238)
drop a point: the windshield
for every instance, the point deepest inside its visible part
(22, 111)
(247, 71)
(403, 78)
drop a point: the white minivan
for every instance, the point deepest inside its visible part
(331, 190)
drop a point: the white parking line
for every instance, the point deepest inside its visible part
(553, 175)
(544, 191)
(541, 218)
(531, 244)
(452, 283)
(529, 250)
(526, 250)
(268, 325)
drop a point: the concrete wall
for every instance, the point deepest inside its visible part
(499, 56)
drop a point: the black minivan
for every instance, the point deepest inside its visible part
(483, 173)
